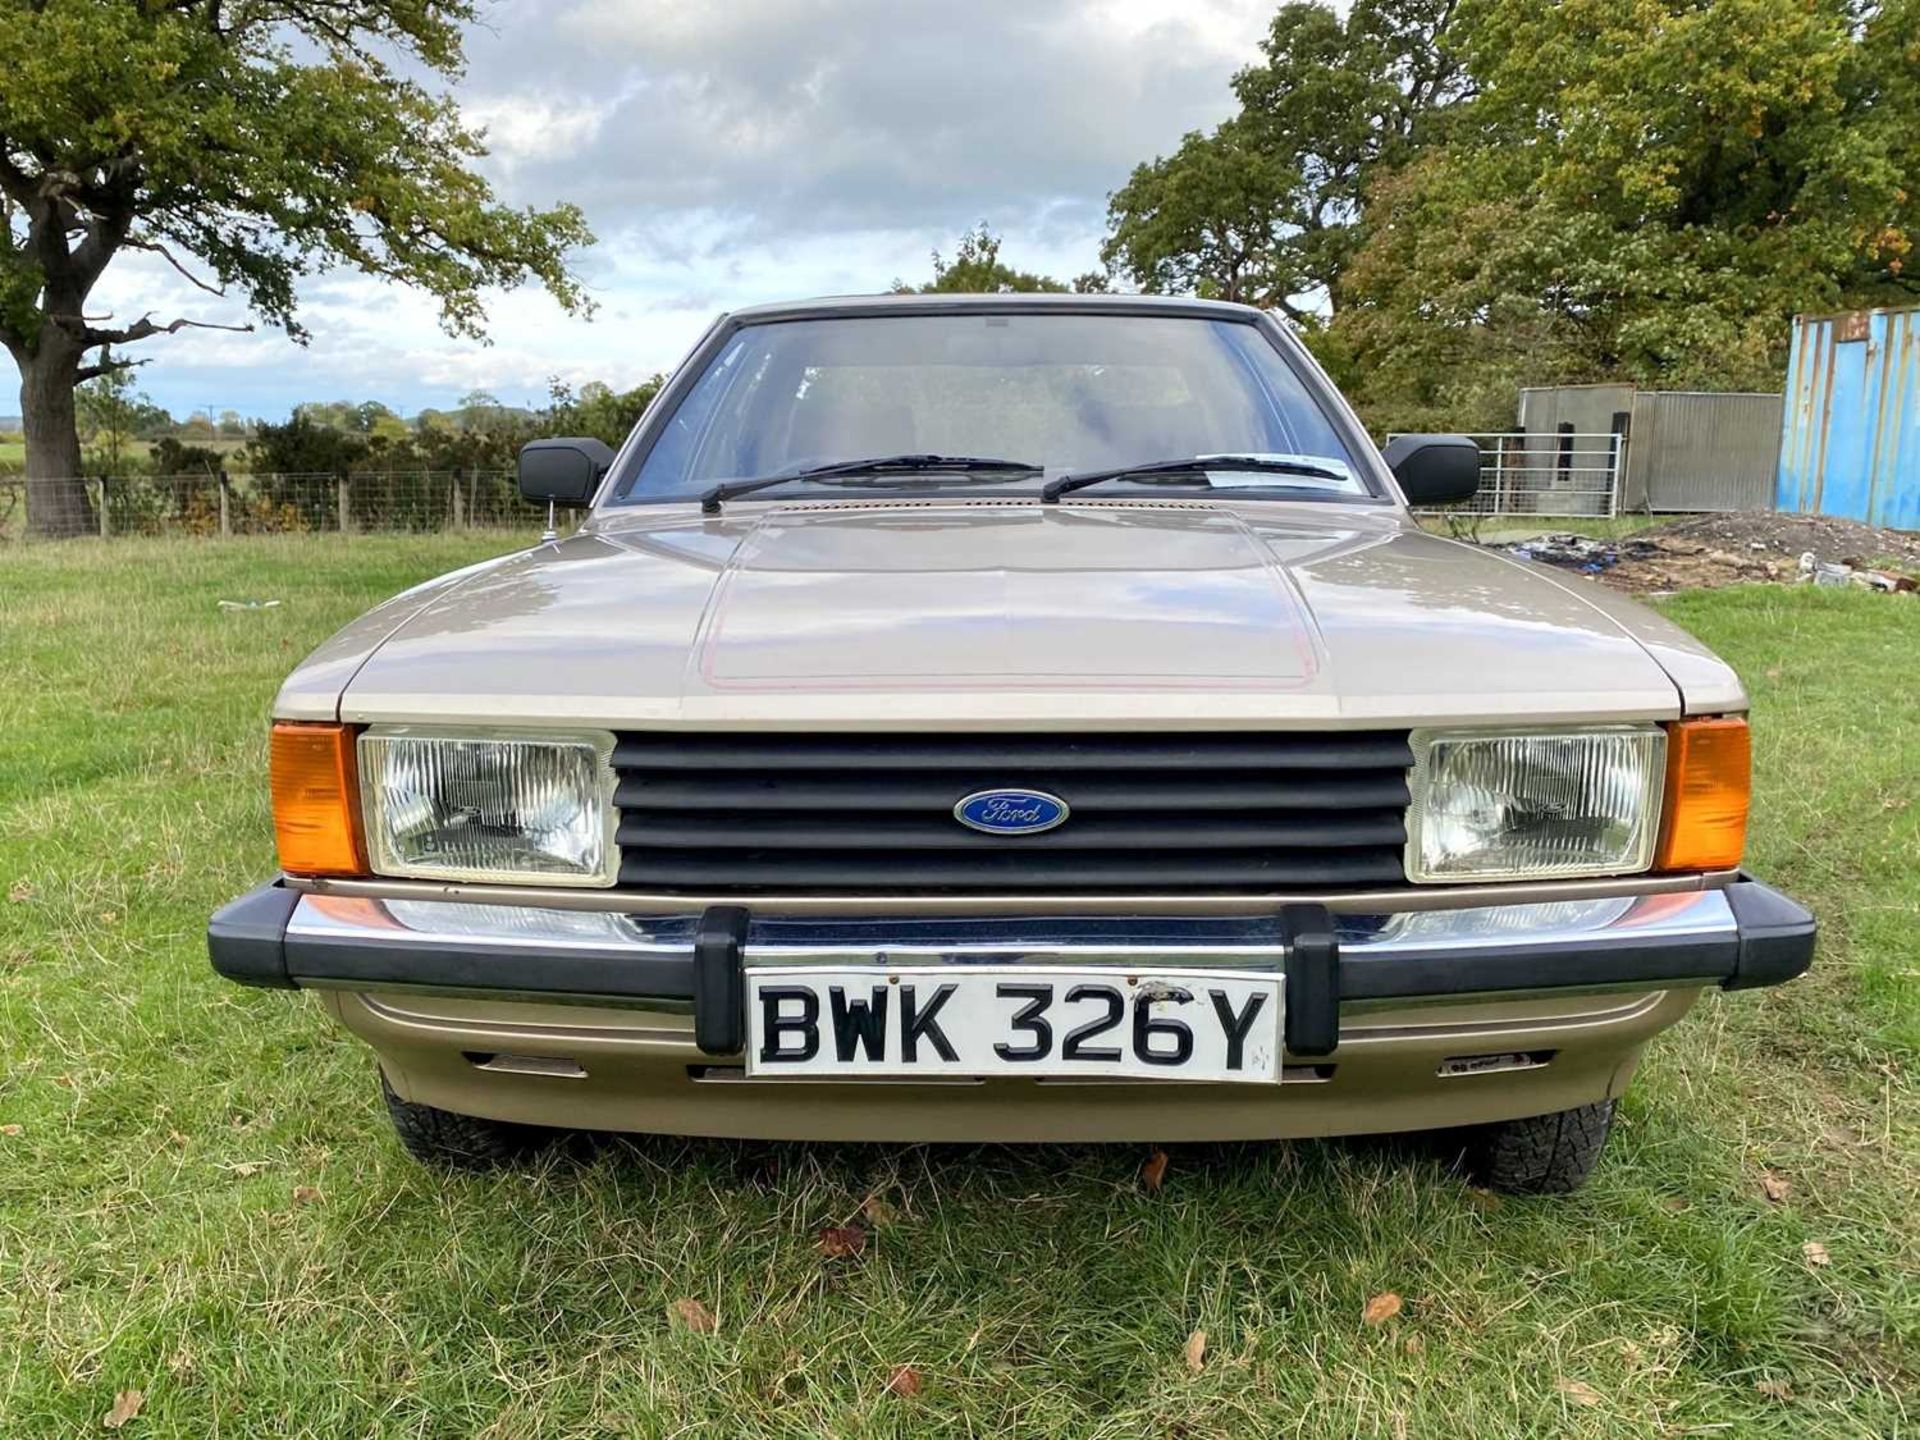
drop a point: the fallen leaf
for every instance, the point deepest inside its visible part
(1776, 1185)
(695, 1316)
(1578, 1391)
(21, 892)
(1816, 1253)
(904, 1381)
(842, 1242)
(877, 1211)
(1153, 1174)
(9, 1129)
(1775, 1389)
(1196, 1351)
(1381, 1308)
(305, 1195)
(126, 1405)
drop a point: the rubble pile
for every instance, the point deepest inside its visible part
(1707, 551)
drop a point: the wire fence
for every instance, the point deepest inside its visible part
(1547, 474)
(372, 502)
(1564, 474)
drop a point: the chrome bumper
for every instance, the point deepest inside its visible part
(1738, 936)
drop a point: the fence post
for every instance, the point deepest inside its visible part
(1621, 428)
(459, 501)
(226, 508)
(106, 524)
(345, 488)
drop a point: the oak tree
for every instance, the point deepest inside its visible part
(1264, 209)
(246, 143)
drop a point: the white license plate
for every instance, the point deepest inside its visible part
(924, 1021)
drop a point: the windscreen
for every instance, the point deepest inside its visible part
(1067, 393)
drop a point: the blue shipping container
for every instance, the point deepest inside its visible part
(1850, 439)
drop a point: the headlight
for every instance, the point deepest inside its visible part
(1489, 805)
(531, 806)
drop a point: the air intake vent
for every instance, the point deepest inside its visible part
(873, 814)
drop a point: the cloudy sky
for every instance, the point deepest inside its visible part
(733, 151)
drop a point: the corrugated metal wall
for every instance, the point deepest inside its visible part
(1693, 450)
(1850, 439)
(1686, 450)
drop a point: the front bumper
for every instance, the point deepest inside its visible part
(1742, 935)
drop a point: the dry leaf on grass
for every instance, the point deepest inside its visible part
(126, 1405)
(305, 1195)
(21, 892)
(1196, 1351)
(1776, 1186)
(1381, 1308)
(1153, 1174)
(1774, 1389)
(842, 1242)
(695, 1316)
(904, 1381)
(1816, 1253)
(1578, 1391)
(9, 1130)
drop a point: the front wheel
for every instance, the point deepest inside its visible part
(1541, 1154)
(450, 1141)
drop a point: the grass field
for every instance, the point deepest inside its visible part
(200, 1198)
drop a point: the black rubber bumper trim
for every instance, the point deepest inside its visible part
(1313, 980)
(613, 973)
(1776, 936)
(720, 981)
(247, 938)
(1773, 942)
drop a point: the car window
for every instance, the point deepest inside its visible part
(1062, 391)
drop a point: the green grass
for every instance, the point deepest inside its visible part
(151, 1236)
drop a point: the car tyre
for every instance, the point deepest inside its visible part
(1541, 1154)
(450, 1141)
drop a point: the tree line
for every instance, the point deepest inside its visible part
(1450, 198)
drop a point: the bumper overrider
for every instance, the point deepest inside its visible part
(1737, 936)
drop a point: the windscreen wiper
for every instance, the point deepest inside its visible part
(878, 465)
(1192, 466)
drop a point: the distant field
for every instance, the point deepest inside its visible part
(13, 453)
(200, 1197)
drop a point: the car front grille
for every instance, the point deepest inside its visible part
(846, 814)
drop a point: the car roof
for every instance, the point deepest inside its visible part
(831, 306)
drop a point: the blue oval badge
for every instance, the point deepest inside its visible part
(1011, 812)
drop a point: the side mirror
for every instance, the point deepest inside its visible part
(1434, 469)
(564, 472)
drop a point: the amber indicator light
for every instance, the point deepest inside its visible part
(316, 804)
(1704, 819)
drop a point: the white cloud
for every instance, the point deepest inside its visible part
(739, 151)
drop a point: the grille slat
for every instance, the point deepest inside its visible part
(1091, 793)
(669, 830)
(873, 814)
(780, 754)
(844, 872)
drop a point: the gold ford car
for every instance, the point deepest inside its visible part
(1009, 718)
